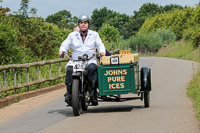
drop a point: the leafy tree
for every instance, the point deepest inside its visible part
(33, 12)
(24, 8)
(147, 10)
(153, 39)
(99, 16)
(9, 51)
(110, 34)
(177, 21)
(41, 38)
(171, 7)
(63, 19)
(106, 16)
(75, 20)
(131, 27)
(29, 39)
(166, 35)
(118, 20)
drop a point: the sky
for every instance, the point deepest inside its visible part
(78, 7)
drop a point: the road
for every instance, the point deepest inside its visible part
(170, 110)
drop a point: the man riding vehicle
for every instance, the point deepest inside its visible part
(83, 41)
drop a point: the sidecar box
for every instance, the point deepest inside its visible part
(118, 74)
(123, 59)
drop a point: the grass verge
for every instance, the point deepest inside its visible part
(193, 92)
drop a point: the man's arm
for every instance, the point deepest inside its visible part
(100, 46)
(65, 46)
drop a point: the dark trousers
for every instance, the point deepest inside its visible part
(92, 74)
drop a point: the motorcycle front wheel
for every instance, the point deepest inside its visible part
(76, 98)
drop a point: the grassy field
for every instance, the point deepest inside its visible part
(184, 50)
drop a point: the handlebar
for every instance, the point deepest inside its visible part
(84, 59)
(92, 56)
(66, 54)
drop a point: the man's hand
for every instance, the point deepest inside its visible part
(69, 54)
(61, 54)
(102, 54)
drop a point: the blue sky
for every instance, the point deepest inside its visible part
(78, 7)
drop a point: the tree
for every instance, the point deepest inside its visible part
(106, 16)
(118, 20)
(63, 19)
(24, 8)
(9, 51)
(99, 16)
(33, 12)
(147, 10)
(110, 34)
(171, 7)
(75, 20)
(131, 27)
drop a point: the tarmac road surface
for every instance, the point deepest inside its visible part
(170, 110)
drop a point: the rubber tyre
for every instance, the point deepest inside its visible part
(146, 99)
(84, 106)
(145, 79)
(76, 99)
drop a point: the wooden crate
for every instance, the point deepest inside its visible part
(123, 59)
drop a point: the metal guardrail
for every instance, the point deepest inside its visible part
(27, 66)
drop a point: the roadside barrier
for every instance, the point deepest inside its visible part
(16, 76)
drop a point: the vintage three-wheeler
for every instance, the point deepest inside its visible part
(117, 75)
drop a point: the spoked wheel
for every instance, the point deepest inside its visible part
(146, 99)
(76, 98)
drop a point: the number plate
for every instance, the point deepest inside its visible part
(114, 60)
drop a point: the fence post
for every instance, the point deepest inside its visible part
(59, 70)
(38, 72)
(4, 78)
(20, 76)
(50, 73)
(27, 77)
(49, 70)
(14, 78)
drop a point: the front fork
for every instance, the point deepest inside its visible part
(80, 76)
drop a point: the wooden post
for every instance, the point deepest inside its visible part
(49, 70)
(20, 80)
(59, 70)
(14, 78)
(50, 73)
(27, 77)
(4, 78)
(39, 72)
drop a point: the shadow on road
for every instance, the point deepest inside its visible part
(66, 112)
(115, 108)
(98, 109)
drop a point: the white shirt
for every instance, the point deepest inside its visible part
(91, 43)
